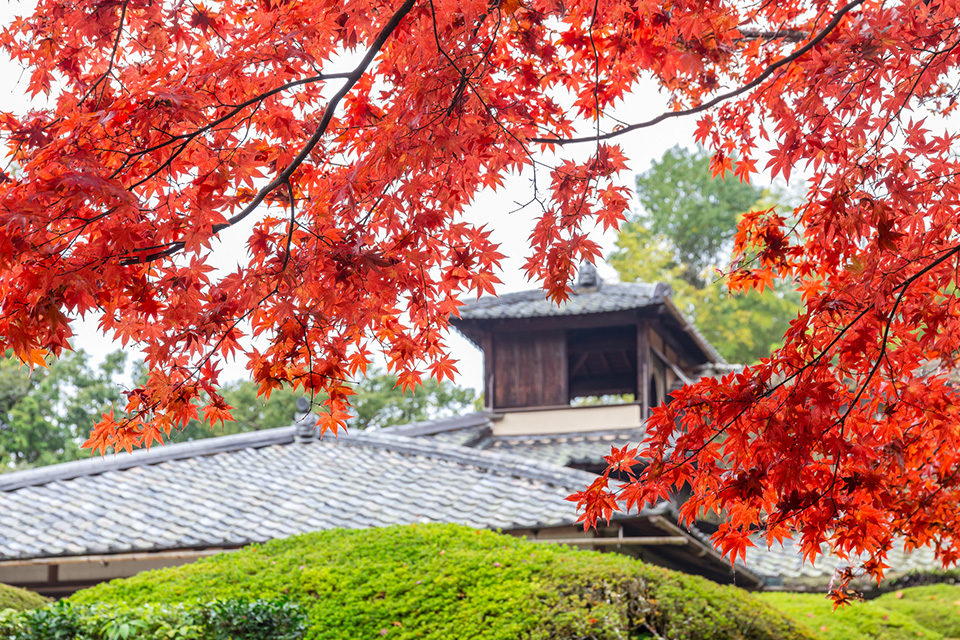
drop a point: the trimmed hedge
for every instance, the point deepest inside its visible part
(934, 606)
(19, 599)
(869, 620)
(920, 578)
(445, 581)
(219, 620)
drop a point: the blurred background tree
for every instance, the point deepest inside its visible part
(380, 403)
(683, 236)
(45, 414)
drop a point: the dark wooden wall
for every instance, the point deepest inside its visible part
(602, 360)
(545, 362)
(530, 369)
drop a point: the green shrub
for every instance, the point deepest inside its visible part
(869, 620)
(220, 620)
(258, 620)
(935, 606)
(19, 599)
(444, 581)
(920, 578)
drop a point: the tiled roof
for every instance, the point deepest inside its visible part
(534, 304)
(783, 566)
(234, 490)
(780, 566)
(565, 449)
(582, 448)
(605, 298)
(477, 422)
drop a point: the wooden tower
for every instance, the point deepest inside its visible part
(607, 340)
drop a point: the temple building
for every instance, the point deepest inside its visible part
(562, 384)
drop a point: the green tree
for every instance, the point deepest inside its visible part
(683, 236)
(378, 403)
(46, 413)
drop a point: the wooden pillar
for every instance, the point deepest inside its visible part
(488, 381)
(53, 574)
(565, 370)
(643, 370)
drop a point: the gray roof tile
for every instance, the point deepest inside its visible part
(782, 565)
(534, 304)
(581, 448)
(585, 448)
(238, 489)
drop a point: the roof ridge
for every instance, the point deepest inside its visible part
(481, 458)
(655, 288)
(534, 303)
(163, 453)
(589, 433)
(440, 425)
(505, 463)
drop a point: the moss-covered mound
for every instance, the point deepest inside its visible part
(935, 606)
(19, 599)
(871, 620)
(444, 581)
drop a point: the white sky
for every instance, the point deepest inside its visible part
(510, 229)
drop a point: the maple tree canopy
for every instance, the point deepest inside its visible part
(350, 136)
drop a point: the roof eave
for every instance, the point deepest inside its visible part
(709, 352)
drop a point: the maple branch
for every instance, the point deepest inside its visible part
(293, 221)
(596, 74)
(284, 176)
(792, 35)
(113, 56)
(466, 78)
(885, 340)
(237, 108)
(901, 288)
(723, 97)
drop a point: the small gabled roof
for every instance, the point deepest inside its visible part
(234, 490)
(605, 298)
(592, 301)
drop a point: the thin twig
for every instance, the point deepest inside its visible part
(307, 148)
(823, 33)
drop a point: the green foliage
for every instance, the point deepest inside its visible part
(935, 606)
(45, 414)
(870, 620)
(687, 601)
(695, 212)
(447, 581)
(380, 403)
(683, 237)
(267, 619)
(918, 578)
(219, 620)
(19, 599)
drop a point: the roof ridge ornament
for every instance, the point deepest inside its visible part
(304, 421)
(587, 277)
